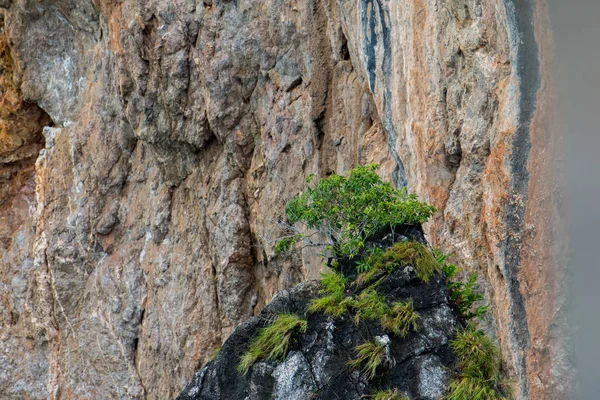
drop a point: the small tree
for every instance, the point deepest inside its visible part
(348, 210)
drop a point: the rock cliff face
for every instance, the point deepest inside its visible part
(146, 144)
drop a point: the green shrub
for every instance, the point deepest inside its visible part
(370, 356)
(479, 358)
(463, 294)
(400, 319)
(271, 342)
(391, 394)
(352, 208)
(415, 254)
(479, 363)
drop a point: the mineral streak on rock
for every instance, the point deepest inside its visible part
(177, 130)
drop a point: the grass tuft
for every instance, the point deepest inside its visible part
(369, 305)
(472, 389)
(333, 302)
(332, 305)
(391, 394)
(272, 342)
(400, 319)
(370, 356)
(333, 282)
(478, 355)
(402, 253)
(479, 363)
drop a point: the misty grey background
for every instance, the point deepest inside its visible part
(576, 30)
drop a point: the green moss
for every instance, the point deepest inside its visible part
(479, 364)
(271, 342)
(370, 356)
(391, 394)
(400, 319)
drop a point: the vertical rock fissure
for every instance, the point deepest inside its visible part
(375, 11)
(525, 54)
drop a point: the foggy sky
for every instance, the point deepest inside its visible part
(576, 30)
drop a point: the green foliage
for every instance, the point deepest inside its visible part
(478, 356)
(369, 305)
(352, 208)
(370, 356)
(400, 319)
(272, 342)
(333, 303)
(391, 394)
(286, 243)
(402, 253)
(362, 266)
(463, 294)
(479, 363)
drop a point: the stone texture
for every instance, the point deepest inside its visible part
(179, 129)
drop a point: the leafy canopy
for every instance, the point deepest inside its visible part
(351, 208)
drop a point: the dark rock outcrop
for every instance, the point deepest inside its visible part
(315, 366)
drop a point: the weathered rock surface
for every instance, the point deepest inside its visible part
(176, 130)
(419, 365)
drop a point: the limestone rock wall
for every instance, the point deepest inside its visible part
(146, 146)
